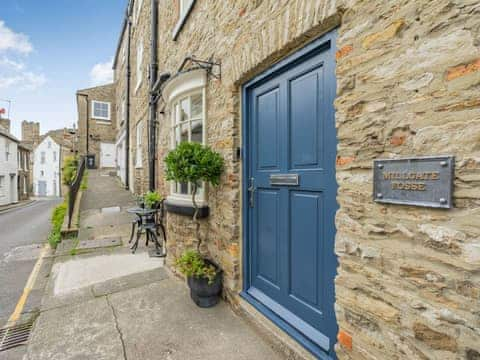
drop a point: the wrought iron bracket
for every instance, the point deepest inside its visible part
(213, 68)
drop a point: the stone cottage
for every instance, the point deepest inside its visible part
(300, 97)
(97, 125)
(24, 179)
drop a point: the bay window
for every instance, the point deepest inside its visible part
(185, 95)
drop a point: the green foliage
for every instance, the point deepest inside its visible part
(84, 183)
(58, 215)
(69, 170)
(151, 198)
(193, 162)
(191, 263)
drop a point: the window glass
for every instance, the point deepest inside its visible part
(187, 125)
(101, 110)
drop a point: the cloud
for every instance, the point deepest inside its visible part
(25, 80)
(14, 72)
(9, 63)
(12, 41)
(101, 73)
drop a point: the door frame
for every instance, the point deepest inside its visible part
(326, 42)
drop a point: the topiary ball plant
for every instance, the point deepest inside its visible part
(194, 163)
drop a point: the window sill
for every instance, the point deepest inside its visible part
(104, 122)
(99, 119)
(186, 209)
(182, 21)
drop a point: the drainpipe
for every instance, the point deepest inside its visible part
(127, 99)
(152, 103)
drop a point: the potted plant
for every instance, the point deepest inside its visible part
(194, 163)
(151, 199)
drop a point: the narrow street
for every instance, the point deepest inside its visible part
(22, 233)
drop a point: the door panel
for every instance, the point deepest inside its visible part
(291, 227)
(305, 257)
(303, 120)
(267, 230)
(267, 130)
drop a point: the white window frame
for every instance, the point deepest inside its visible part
(43, 157)
(179, 88)
(124, 51)
(184, 10)
(123, 111)
(139, 146)
(136, 11)
(139, 66)
(104, 118)
(7, 149)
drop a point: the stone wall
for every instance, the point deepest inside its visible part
(408, 79)
(408, 85)
(139, 111)
(99, 131)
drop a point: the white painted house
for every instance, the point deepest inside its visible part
(47, 168)
(8, 168)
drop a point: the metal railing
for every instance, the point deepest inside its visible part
(73, 189)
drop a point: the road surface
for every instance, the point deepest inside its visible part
(22, 233)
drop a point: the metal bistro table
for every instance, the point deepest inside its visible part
(147, 221)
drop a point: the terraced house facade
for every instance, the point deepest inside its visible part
(300, 97)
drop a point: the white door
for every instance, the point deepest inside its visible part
(107, 155)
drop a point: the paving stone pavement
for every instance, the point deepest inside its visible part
(107, 303)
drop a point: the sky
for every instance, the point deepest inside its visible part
(51, 48)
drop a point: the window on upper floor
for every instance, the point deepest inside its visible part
(54, 156)
(137, 10)
(123, 110)
(7, 149)
(19, 164)
(42, 157)
(101, 110)
(184, 8)
(2, 185)
(139, 148)
(49, 144)
(124, 52)
(139, 67)
(42, 173)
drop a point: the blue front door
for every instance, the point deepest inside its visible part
(291, 193)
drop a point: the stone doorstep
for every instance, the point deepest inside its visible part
(272, 334)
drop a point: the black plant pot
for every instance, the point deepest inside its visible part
(203, 294)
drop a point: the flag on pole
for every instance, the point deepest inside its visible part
(2, 112)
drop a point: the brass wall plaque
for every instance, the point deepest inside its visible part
(420, 181)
